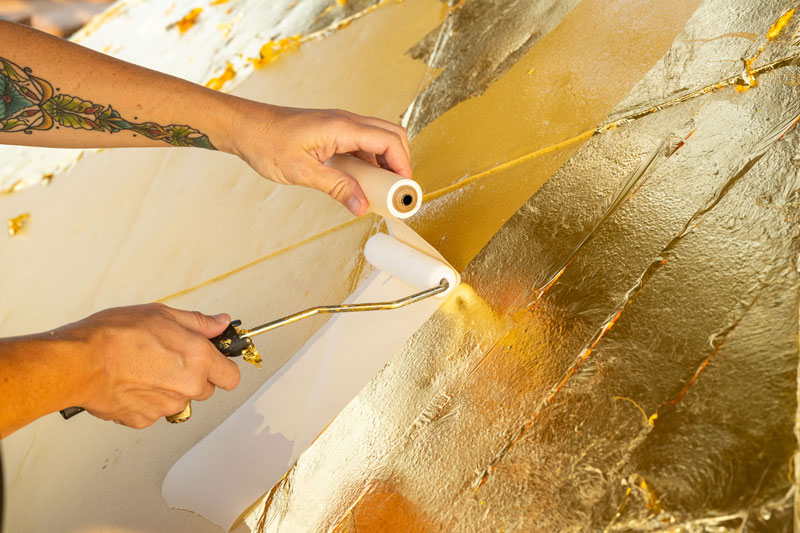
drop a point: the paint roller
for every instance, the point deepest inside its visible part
(405, 256)
(409, 259)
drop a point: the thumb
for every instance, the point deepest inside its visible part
(206, 325)
(341, 187)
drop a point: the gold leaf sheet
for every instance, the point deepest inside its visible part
(637, 367)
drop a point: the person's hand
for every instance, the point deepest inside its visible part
(290, 145)
(147, 361)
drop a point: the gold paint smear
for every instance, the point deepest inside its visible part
(218, 82)
(189, 20)
(780, 24)
(18, 223)
(218, 2)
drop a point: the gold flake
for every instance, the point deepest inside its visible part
(189, 20)
(17, 224)
(218, 82)
(271, 50)
(780, 24)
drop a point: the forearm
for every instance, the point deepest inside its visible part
(59, 94)
(39, 374)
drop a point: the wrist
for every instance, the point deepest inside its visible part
(228, 118)
(70, 353)
(247, 122)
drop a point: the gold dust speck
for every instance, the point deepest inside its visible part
(17, 224)
(47, 179)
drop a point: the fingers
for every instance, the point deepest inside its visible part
(206, 366)
(377, 141)
(341, 187)
(400, 131)
(208, 326)
(366, 157)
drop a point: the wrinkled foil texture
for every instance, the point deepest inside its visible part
(623, 353)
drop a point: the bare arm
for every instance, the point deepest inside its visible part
(136, 364)
(132, 365)
(58, 94)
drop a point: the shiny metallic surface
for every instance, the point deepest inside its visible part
(181, 417)
(623, 353)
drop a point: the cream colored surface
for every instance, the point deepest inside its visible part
(287, 413)
(277, 424)
(196, 230)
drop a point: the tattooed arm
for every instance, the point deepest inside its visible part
(58, 94)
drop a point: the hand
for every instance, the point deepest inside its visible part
(149, 360)
(290, 146)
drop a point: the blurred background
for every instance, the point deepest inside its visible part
(59, 17)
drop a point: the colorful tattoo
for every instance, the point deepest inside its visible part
(29, 103)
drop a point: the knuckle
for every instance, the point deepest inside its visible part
(338, 188)
(198, 318)
(195, 389)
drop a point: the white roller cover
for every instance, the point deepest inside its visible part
(407, 264)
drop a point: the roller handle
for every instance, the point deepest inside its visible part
(230, 343)
(69, 412)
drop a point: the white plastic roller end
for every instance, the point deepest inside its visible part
(410, 266)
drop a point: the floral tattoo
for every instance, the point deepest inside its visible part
(29, 103)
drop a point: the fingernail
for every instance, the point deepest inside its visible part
(222, 318)
(354, 205)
